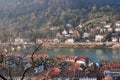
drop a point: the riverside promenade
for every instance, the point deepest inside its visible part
(49, 44)
(83, 45)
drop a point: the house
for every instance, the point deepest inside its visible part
(27, 65)
(61, 57)
(58, 35)
(70, 58)
(117, 24)
(71, 31)
(36, 57)
(80, 25)
(67, 35)
(68, 25)
(17, 55)
(110, 29)
(55, 28)
(86, 35)
(103, 22)
(74, 66)
(67, 58)
(70, 40)
(98, 38)
(39, 41)
(82, 60)
(64, 32)
(22, 41)
(39, 56)
(19, 40)
(101, 30)
(39, 69)
(117, 29)
(76, 33)
(53, 73)
(114, 37)
(107, 26)
(56, 40)
(19, 48)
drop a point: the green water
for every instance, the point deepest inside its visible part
(94, 54)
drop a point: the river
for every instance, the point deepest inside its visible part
(94, 54)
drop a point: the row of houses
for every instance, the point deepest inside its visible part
(66, 67)
(84, 33)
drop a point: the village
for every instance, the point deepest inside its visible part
(86, 35)
(64, 67)
(61, 67)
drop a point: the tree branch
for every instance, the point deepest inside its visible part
(3, 77)
(33, 63)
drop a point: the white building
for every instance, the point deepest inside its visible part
(114, 39)
(80, 26)
(64, 32)
(107, 26)
(39, 69)
(71, 31)
(98, 38)
(117, 29)
(19, 40)
(117, 24)
(86, 35)
(110, 29)
(39, 41)
(71, 40)
(56, 40)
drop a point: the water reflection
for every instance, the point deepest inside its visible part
(93, 54)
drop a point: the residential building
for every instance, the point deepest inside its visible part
(117, 29)
(117, 24)
(70, 40)
(22, 41)
(98, 38)
(71, 31)
(39, 69)
(107, 26)
(56, 40)
(86, 35)
(64, 32)
(19, 40)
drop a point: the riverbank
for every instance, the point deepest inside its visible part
(83, 45)
(49, 45)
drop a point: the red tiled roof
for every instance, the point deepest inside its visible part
(53, 72)
(17, 55)
(61, 57)
(37, 56)
(110, 66)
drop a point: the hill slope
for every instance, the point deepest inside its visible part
(23, 15)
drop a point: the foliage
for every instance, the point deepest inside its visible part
(24, 15)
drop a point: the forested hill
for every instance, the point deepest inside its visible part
(23, 15)
(24, 6)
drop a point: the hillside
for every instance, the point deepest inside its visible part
(24, 15)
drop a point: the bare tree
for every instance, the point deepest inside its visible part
(8, 68)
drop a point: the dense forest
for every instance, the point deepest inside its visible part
(20, 16)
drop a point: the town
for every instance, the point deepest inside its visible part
(59, 40)
(60, 67)
(101, 34)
